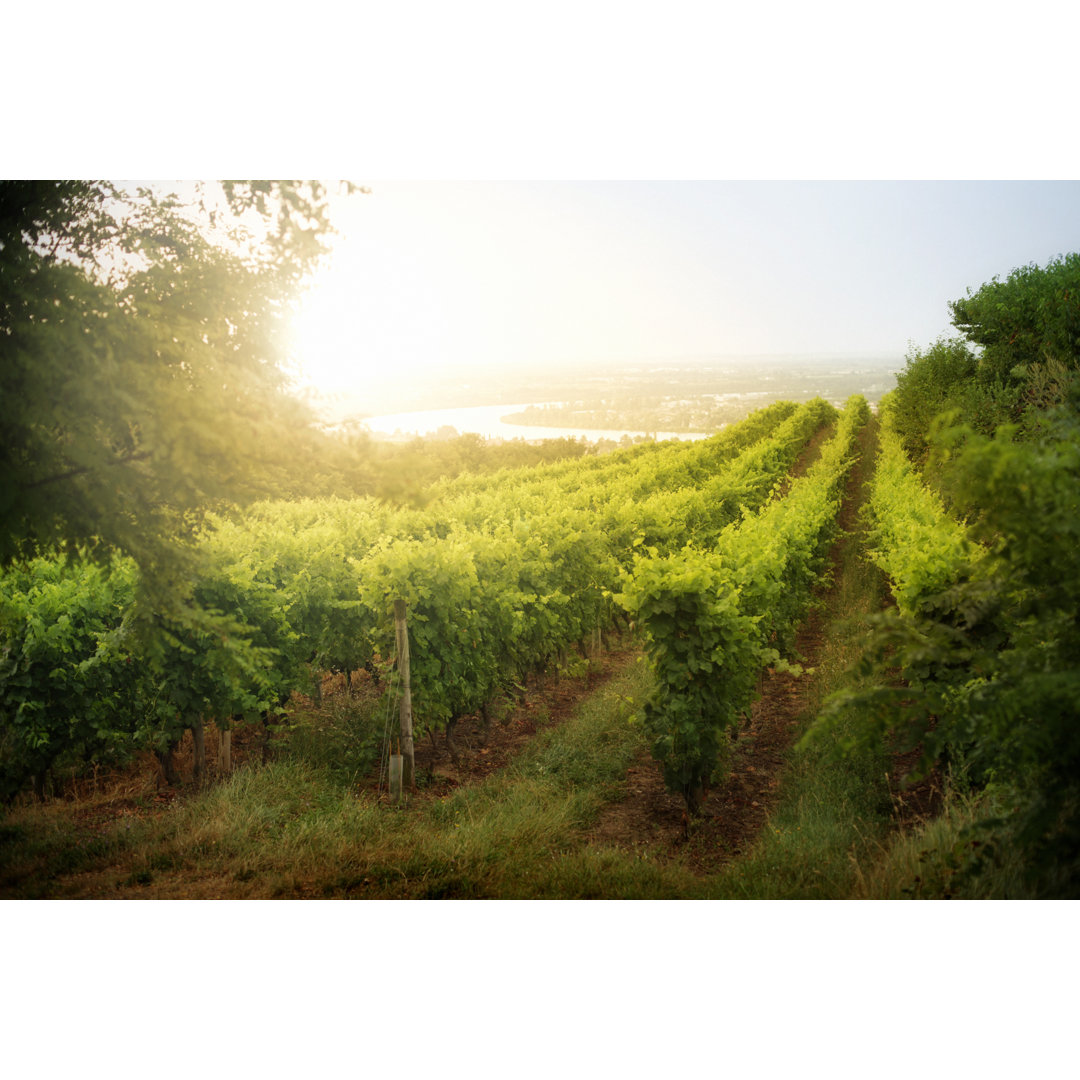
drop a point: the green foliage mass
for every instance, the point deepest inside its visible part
(501, 576)
(68, 680)
(986, 630)
(142, 364)
(715, 618)
(935, 379)
(1030, 319)
(1019, 715)
(1018, 356)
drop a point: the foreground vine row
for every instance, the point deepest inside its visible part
(715, 617)
(501, 576)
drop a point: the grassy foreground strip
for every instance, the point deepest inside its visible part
(290, 830)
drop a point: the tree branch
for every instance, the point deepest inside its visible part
(82, 470)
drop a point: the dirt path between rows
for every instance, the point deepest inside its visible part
(649, 817)
(734, 814)
(547, 701)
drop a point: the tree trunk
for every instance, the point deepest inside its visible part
(396, 767)
(455, 757)
(560, 664)
(168, 764)
(198, 735)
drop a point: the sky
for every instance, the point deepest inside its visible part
(429, 276)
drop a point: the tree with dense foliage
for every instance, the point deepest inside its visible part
(143, 362)
(1018, 355)
(1030, 319)
(986, 634)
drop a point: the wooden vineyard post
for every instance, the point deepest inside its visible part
(225, 754)
(408, 772)
(395, 778)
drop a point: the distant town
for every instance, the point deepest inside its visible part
(683, 395)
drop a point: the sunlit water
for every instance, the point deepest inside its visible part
(486, 420)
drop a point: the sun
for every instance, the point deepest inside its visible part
(364, 321)
(329, 355)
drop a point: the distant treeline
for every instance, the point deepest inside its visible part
(703, 414)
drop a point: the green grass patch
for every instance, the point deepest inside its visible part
(45, 844)
(834, 813)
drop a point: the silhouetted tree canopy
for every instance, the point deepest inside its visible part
(142, 361)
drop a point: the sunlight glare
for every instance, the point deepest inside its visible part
(382, 309)
(348, 335)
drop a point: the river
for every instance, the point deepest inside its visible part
(486, 420)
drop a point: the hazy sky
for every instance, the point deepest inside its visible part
(431, 275)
